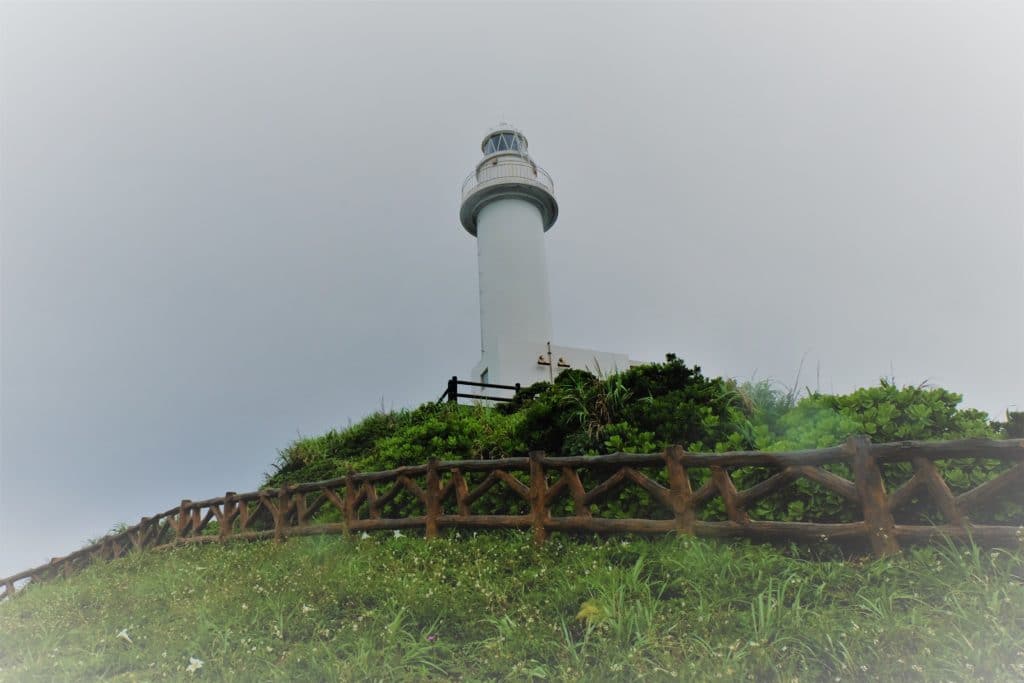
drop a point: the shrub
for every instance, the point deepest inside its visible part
(447, 431)
(1013, 428)
(885, 413)
(644, 408)
(649, 407)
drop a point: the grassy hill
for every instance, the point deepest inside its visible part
(492, 606)
(488, 606)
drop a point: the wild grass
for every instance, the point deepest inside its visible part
(491, 606)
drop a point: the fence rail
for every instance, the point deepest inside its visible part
(452, 395)
(439, 495)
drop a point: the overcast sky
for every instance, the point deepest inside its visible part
(224, 226)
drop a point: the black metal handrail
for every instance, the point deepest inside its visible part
(451, 393)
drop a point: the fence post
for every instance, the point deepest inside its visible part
(681, 492)
(453, 389)
(298, 501)
(871, 490)
(730, 496)
(184, 518)
(538, 492)
(139, 537)
(283, 499)
(461, 491)
(939, 490)
(433, 494)
(228, 519)
(243, 516)
(350, 503)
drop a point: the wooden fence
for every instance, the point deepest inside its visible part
(549, 494)
(452, 393)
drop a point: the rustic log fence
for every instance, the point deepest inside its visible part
(440, 495)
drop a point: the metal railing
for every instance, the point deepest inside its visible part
(505, 170)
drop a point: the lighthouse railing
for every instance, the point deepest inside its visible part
(493, 174)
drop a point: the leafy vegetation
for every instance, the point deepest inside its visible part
(649, 407)
(884, 413)
(491, 606)
(488, 606)
(387, 440)
(1013, 427)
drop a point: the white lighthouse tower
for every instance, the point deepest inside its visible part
(508, 203)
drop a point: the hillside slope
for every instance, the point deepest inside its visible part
(481, 607)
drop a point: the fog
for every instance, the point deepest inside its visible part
(225, 226)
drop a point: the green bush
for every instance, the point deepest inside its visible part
(642, 409)
(885, 413)
(649, 407)
(446, 431)
(333, 454)
(1013, 428)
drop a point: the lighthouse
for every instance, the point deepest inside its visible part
(508, 204)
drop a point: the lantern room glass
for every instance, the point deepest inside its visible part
(504, 142)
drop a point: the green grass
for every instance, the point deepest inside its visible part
(492, 606)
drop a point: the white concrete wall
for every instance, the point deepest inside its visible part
(517, 362)
(514, 302)
(597, 362)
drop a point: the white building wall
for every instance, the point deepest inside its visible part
(596, 362)
(514, 301)
(518, 362)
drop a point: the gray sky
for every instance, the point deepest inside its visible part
(227, 225)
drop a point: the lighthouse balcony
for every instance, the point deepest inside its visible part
(507, 169)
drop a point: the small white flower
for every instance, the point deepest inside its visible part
(363, 536)
(245, 606)
(123, 635)
(194, 665)
(306, 609)
(398, 533)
